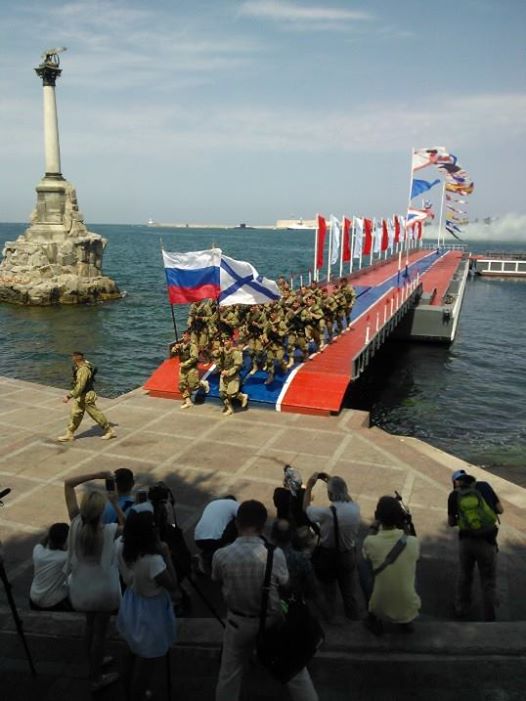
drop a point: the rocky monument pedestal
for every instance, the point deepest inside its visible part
(56, 260)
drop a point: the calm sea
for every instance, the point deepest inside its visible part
(468, 399)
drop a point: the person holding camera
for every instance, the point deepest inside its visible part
(334, 559)
(392, 554)
(94, 585)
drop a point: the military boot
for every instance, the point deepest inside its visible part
(68, 436)
(227, 411)
(270, 378)
(205, 385)
(187, 403)
(253, 369)
(109, 433)
(243, 399)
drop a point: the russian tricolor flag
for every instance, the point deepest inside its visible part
(192, 276)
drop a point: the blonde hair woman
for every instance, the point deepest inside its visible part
(93, 573)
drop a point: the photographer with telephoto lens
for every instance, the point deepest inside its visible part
(392, 553)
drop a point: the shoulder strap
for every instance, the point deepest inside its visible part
(266, 587)
(336, 528)
(392, 555)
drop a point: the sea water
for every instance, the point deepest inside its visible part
(468, 398)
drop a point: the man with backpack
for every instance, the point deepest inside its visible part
(474, 507)
(84, 398)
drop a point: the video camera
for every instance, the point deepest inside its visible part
(407, 524)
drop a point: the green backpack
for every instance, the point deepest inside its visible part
(474, 514)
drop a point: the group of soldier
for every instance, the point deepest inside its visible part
(273, 335)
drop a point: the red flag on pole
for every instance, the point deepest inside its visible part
(368, 236)
(419, 230)
(397, 230)
(385, 237)
(321, 231)
(346, 242)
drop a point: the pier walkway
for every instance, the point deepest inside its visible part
(202, 454)
(318, 386)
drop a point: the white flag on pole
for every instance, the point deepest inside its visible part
(377, 235)
(358, 236)
(336, 239)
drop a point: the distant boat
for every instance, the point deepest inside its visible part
(300, 225)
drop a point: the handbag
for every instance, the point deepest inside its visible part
(285, 647)
(325, 561)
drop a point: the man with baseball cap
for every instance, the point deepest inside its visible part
(474, 507)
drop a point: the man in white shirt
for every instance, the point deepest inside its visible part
(240, 568)
(215, 529)
(335, 561)
(49, 588)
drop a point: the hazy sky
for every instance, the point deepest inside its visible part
(253, 110)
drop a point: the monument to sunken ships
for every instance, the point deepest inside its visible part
(56, 260)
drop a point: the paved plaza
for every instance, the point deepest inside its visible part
(201, 454)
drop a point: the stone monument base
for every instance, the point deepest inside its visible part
(56, 260)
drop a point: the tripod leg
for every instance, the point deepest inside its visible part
(16, 618)
(168, 677)
(205, 601)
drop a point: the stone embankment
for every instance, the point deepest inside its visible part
(201, 454)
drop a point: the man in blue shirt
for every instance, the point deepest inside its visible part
(475, 548)
(124, 481)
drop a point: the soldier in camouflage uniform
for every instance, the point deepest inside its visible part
(229, 382)
(255, 325)
(274, 335)
(312, 316)
(84, 398)
(189, 381)
(329, 306)
(296, 333)
(349, 294)
(201, 323)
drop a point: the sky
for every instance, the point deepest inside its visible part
(220, 111)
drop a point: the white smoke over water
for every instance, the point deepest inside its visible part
(509, 227)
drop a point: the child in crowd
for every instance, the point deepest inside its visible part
(146, 619)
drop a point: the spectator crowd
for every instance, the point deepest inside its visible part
(124, 553)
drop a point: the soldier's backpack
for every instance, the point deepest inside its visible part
(475, 516)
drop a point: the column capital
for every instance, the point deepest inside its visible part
(49, 74)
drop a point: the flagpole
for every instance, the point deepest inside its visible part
(316, 246)
(329, 251)
(351, 237)
(361, 247)
(409, 204)
(342, 235)
(441, 215)
(171, 305)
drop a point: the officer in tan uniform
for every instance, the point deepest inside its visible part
(229, 380)
(188, 371)
(84, 398)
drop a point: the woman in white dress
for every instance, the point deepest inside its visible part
(94, 585)
(146, 618)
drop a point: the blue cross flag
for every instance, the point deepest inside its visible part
(240, 283)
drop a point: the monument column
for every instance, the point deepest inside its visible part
(49, 71)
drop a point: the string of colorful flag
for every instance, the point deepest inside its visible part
(458, 185)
